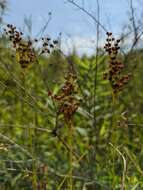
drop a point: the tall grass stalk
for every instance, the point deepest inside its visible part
(113, 139)
(70, 136)
(29, 132)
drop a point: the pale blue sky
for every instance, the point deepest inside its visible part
(66, 18)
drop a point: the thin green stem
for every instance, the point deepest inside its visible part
(32, 145)
(113, 138)
(69, 128)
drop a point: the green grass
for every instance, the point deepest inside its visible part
(83, 156)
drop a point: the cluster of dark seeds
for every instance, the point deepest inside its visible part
(14, 35)
(25, 54)
(117, 80)
(66, 99)
(48, 45)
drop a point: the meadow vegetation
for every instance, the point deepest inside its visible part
(70, 122)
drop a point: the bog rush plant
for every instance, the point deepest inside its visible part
(67, 104)
(114, 75)
(117, 81)
(26, 54)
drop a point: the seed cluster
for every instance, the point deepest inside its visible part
(25, 53)
(66, 99)
(48, 45)
(116, 79)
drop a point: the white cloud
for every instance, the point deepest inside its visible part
(83, 45)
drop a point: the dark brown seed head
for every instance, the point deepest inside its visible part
(8, 25)
(55, 41)
(51, 45)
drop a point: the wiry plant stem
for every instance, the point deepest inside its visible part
(113, 137)
(87, 13)
(96, 69)
(69, 128)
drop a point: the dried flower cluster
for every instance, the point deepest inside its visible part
(25, 53)
(48, 45)
(117, 80)
(66, 98)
